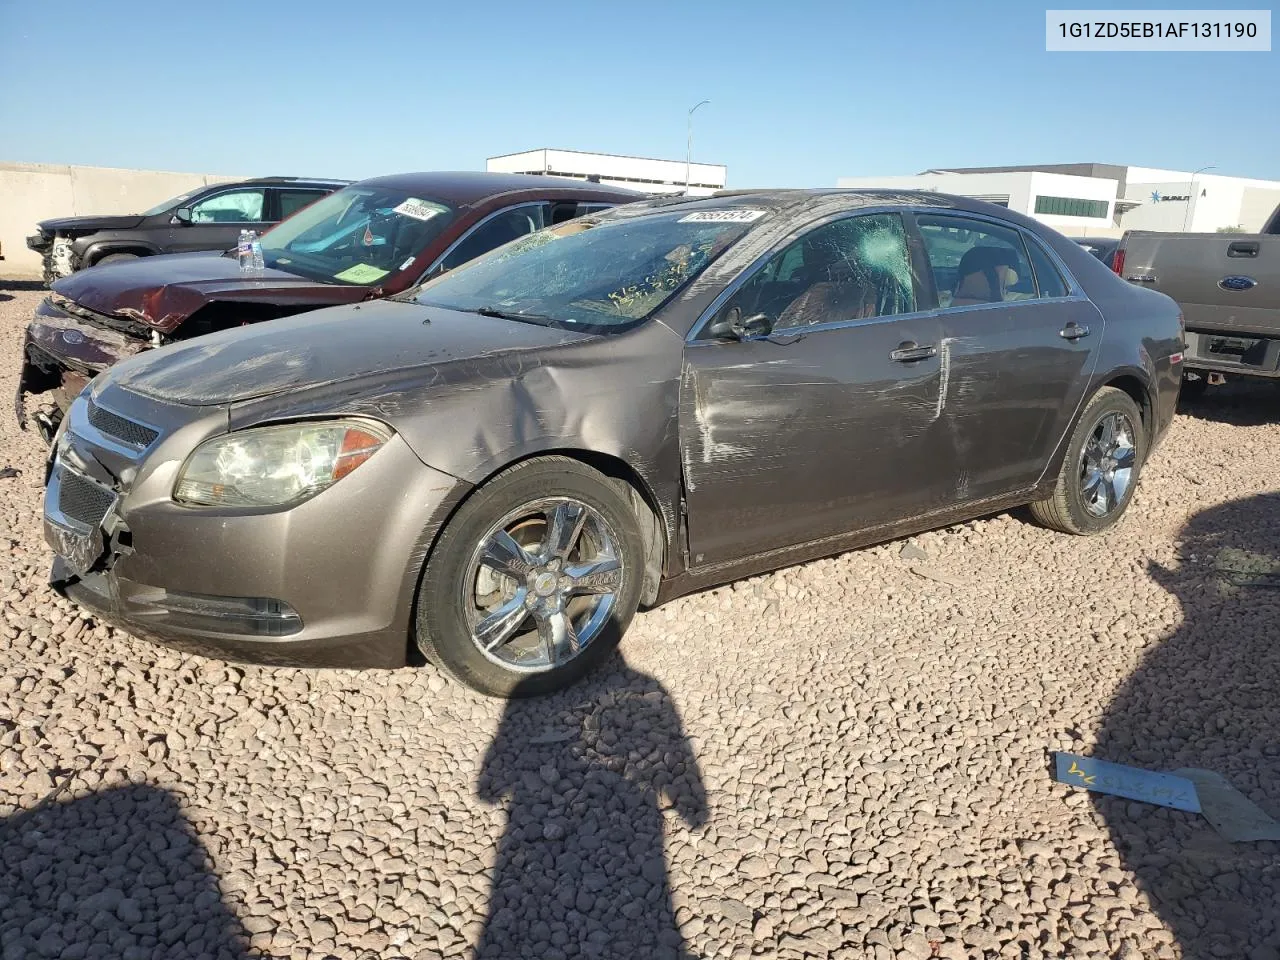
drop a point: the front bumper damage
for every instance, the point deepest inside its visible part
(60, 355)
(57, 255)
(327, 583)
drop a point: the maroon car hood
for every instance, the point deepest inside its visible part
(163, 291)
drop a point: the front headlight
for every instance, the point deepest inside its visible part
(274, 466)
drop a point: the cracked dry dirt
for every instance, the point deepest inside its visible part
(843, 759)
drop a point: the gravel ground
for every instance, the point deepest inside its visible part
(844, 759)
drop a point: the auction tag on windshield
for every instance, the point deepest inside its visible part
(418, 209)
(722, 216)
(361, 273)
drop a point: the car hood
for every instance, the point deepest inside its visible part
(163, 291)
(69, 224)
(381, 340)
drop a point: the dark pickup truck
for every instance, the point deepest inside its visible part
(207, 218)
(1228, 285)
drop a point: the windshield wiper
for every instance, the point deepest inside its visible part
(510, 315)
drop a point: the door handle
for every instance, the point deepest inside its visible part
(909, 351)
(1073, 331)
(1147, 278)
(1242, 248)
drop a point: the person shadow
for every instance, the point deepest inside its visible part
(1208, 697)
(587, 775)
(117, 874)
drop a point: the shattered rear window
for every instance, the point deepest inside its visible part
(585, 273)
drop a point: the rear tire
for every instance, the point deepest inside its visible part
(1100, 470)
(533, 580)
(114, 258)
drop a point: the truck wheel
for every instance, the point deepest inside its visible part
(114, 258)
(1100, 470)
(533, 580)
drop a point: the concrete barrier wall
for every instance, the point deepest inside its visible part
(31, 192)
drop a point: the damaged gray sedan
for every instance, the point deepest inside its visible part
(496, 469)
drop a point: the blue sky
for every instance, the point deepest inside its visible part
(801, 92)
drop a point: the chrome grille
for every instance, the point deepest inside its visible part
(118, 428)
(81, 499)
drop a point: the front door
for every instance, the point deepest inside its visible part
(820, 416)
(216, 220)
(1019, 348)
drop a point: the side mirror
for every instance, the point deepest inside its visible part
(181, 215)
(730, 325)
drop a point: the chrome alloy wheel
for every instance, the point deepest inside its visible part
(542, 584)
(1107, 463)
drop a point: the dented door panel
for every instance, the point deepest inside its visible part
(790, 440)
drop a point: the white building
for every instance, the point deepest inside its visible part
(1099, 199)
(635, 173)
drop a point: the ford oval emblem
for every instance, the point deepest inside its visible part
(1237, 283)
(72, 336)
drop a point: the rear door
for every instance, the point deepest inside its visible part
(286, 201)
(218, 218)
(1019, 344)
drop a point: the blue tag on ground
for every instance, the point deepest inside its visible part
(1163, 789)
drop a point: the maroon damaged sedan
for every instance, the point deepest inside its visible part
(369, 240)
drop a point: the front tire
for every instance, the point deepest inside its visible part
(1100, 470)
(533, 580)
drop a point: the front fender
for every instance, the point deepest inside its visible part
(98, 249)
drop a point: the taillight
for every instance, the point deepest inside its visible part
(1117, 262)
(1182, 328)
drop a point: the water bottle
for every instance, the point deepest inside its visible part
(244, 251)
(256, 246)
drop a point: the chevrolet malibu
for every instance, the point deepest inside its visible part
(497, 468)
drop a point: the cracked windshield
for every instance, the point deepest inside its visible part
(586, 273)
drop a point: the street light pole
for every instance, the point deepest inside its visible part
(1191, 191)
(688, 153)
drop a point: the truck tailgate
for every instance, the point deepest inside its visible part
(1223, 282)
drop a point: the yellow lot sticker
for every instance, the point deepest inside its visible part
(361, 273)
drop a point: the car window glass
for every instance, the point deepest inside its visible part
(358, 235)
(976, 262)
(291, 201)
(238, 206)
(503, 228)
(852, 269)
(1048, 278)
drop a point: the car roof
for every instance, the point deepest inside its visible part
(288, 181)
(830, 199)
(467, 187)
